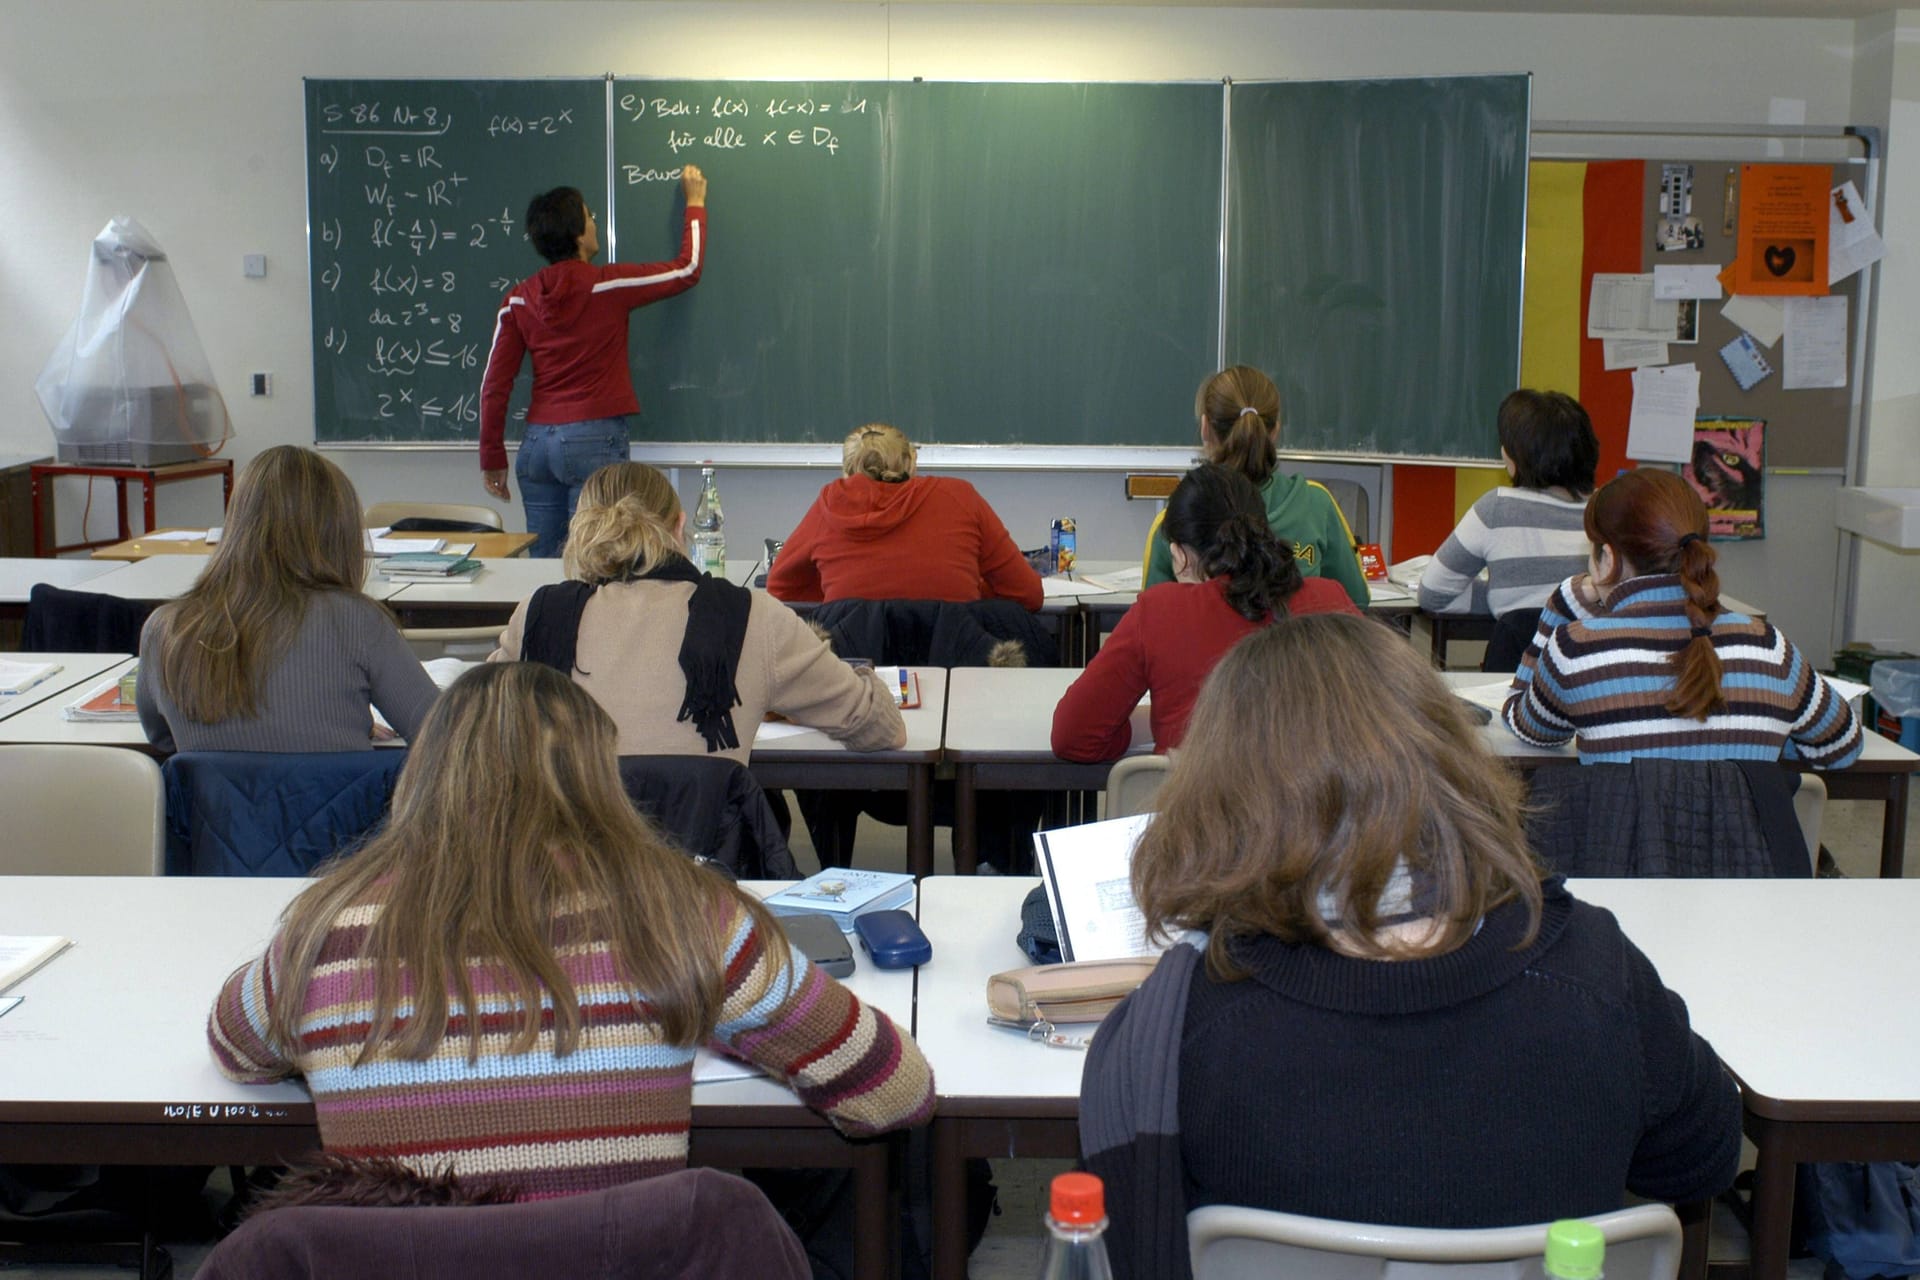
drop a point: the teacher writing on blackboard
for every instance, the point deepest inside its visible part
(572, 316)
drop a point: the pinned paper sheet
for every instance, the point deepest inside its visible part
(1670, 284)
(1782, 247)
(1815, 354)
(1632, 353)
(1745, 361)
(1764, 318)
(1622, 306)
(1660, 428)
(1855, 244)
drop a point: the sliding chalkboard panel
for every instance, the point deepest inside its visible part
(415, 194)
(980, 263)
(1376, 232)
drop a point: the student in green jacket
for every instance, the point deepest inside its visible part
(1239, 410)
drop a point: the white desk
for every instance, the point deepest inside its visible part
(1000, 738)
(105, 1060)
(78, 673)
(20, 574)
(168, 577)
(1883, 772)
(44, 721)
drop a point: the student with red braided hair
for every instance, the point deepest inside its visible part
(1638, 658)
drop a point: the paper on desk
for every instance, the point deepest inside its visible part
(175, 535)
(1852, 243)
(406, 546)
(1381, 590)
(1118, 579)
(1632, 353)
(1848, 690)
(1816, 350)
(18, 677)
(1660, 427)
(1764, 318)
(1068, 588)
(1670, 284)
(444, 671)
(1622, 306)
(7, 1004)
(710, 1068)
(1491, 695)
(774, 730)
(1088, 874)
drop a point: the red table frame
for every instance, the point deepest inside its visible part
(149, 477)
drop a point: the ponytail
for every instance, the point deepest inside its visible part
(1697, 692)
(1215, 512)
(1247, 447)
(1239, 409)
(879, 452)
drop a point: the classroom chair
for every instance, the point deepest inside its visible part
(713, 808)
(1227, 1242)
(81, 811)
(63, 621)
(1133, 783)
(1351, 498)
(469, 644)
(266, 813)
(421, 517)
(1809, 806)
(690, 1223)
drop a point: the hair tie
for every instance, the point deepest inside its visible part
(1698, 632)
(1685, 538)
(1251, 410)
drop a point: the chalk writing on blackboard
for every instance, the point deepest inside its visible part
(681, 132)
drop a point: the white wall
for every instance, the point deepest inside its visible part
(188, 116)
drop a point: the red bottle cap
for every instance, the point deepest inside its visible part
(1079, 1199)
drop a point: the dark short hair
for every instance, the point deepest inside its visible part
(556, 220)
(1550, 439)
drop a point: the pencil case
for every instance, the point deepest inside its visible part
(1084, 991)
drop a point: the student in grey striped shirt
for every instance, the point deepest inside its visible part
(1522, 540)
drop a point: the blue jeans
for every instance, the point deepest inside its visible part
(554, 461)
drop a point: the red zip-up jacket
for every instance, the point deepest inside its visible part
(573, 317)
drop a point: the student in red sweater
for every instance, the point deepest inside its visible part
(573, 317)
(883, 533)
(1232, 577)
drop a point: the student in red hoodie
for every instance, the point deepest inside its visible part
(1232, 577)
(883, 533)
(573, 317)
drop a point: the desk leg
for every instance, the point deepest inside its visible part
(920, 820)
(873, 1233)
(949, 1203)
(120, 491)
(226, 487)
(966, 822)
(1773, 1172)
(1696, 1218)
(41, 487)
(147, 486)
(1893, 828)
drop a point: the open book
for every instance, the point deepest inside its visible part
(1088, 872)
(20, 956)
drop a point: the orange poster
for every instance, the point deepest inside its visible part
(1782, 241)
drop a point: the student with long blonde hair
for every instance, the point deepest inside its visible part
(511, 979)
(685, 663)
(883, 532)
(1239, 412)
(276, 647)
(1397, 1018)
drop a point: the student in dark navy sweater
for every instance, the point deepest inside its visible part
(1395, 1019)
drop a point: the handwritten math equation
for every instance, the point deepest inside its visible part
(737, 124)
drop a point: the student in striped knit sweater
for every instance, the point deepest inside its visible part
(1636, 657)
(514, 879)
(1526, 537)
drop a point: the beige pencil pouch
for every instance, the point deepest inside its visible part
(1085, 991)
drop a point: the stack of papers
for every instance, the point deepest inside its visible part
(102, 704)
(18, 677)
(402, 546)
(842, 893)
(20, 956)
(431, 567)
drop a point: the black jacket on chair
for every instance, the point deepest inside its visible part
(935, 633)
(62, 621)
(1680, 818)
(711, 807)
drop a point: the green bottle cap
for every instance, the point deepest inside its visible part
(1575, 1250)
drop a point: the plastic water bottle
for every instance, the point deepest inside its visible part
(1575, 1250)
(709, 545)
(1076, 1226)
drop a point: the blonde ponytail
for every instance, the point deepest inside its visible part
(879, 452)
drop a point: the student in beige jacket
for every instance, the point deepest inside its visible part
(686, 664)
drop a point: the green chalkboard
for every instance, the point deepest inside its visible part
(415, 193)
(978, 263)
(1376, 232)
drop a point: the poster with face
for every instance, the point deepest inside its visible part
(1728, 471)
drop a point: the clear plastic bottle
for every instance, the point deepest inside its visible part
(1076, 1227)
(1575, 1250)
(707, 547)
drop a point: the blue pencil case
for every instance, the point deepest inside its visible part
(893, 939)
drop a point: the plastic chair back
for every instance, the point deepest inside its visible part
(1231, 1243)
(81, 811)
(1133, 783)
(1809, 804)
